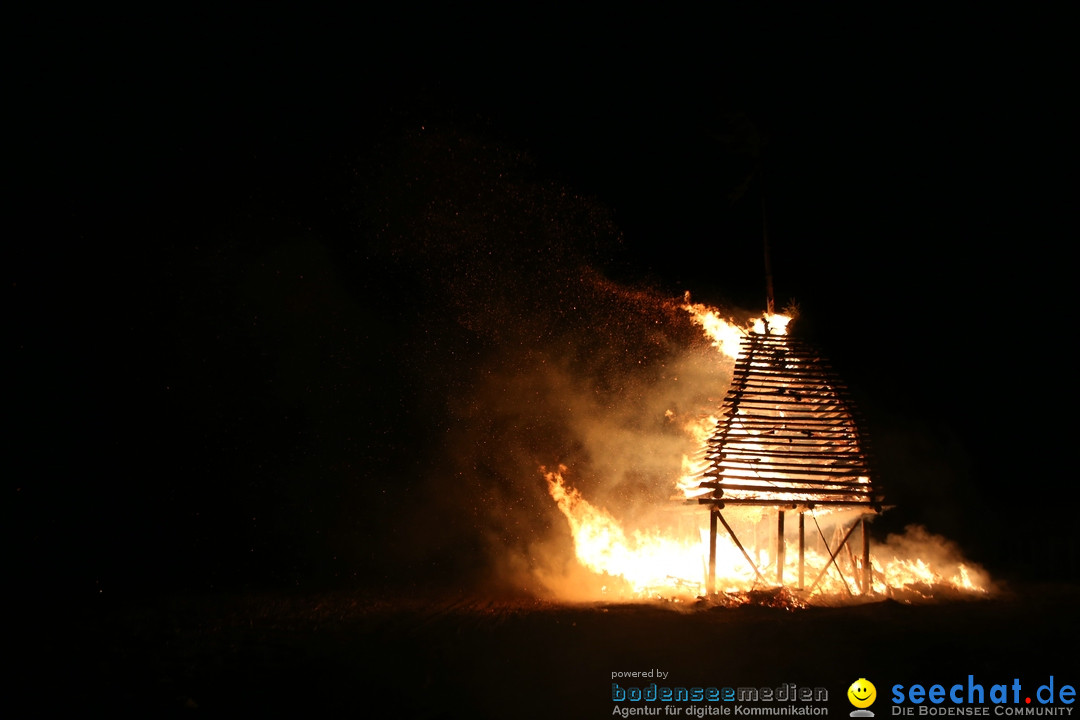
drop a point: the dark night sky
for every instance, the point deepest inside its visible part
(186, 418)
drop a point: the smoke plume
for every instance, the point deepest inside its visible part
(538, 358)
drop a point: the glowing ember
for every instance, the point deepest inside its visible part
(672, 561)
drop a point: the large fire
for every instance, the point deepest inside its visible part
(671, 562)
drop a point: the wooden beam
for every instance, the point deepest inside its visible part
(780, 547)
(863, 489)
(802, 547)
(875, 504)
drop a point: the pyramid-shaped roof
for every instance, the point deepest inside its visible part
(789, 435)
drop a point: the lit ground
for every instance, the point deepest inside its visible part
(345, 654)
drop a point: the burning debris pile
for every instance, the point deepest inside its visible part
(788, 442)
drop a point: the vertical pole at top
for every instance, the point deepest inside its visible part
(770, 297)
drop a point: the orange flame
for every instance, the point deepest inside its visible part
(647, 562)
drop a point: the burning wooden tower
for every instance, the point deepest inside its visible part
(788, 440)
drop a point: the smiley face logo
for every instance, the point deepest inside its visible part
(862, 693)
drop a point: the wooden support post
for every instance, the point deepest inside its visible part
(780, 547)
(711, 586)
(868, 575)
(802, 548)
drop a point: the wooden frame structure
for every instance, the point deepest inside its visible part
(789, 440)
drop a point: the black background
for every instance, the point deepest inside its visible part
(184, 419)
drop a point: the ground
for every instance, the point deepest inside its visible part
(348, 653)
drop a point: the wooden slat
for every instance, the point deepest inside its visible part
(752, 380)
(730, 421)
(798, 377)
(856, 491)
(746, 456)
(787, 441)
(787, 479)
(756, 412)
(776, 395)
(788, 469)
(786, 405)
(834, 438)
(825, 484)
(734, 424)
(871, 502)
